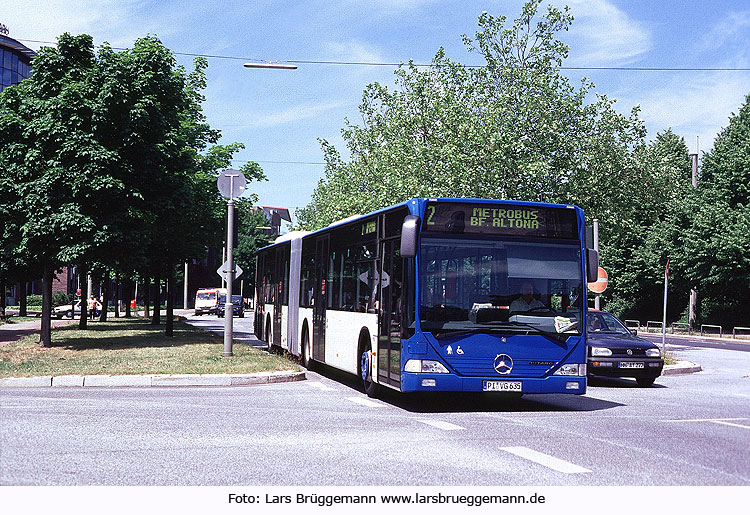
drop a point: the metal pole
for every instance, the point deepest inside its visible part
(693, 305)
(228, 306)
(223, 259)
(597, 300)
(185, 289)
(664, 319)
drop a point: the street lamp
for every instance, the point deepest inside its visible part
(272, 65)
(231, 184)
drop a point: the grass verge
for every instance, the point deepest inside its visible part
(133, 346)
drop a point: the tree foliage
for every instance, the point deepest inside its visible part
(109, 163)
(513, 129)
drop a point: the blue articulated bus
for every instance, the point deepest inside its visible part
(436, 294)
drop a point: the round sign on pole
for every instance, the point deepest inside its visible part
(231, 183)
(601, 283)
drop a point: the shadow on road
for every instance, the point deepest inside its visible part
(618, 382)
(459, 402)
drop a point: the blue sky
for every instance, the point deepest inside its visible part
(279, 115)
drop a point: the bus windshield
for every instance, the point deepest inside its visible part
(508, 285)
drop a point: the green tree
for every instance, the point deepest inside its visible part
(58, 168)
(108, 165)
(513, 129)
(715, 242)
(251, 237)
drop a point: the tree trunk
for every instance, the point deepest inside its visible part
(2, 296)
(106, 283)
(83, 271)
(156, 318)
(146, 297)
(22, 301)
(128, 294)
(116, 296)
(45, 335)
(170, 299)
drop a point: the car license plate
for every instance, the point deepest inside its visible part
(501, 386)
(631, 364)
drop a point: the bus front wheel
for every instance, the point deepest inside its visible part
(365, 371)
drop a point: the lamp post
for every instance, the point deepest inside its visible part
(272, 65)
(231, 184)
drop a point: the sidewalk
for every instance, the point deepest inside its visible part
(16, 331)
(154, 380)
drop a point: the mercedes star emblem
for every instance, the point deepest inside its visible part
(503, 364)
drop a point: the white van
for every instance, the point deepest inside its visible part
(207, 300)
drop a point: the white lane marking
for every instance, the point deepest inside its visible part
(365, 402)
(321, 386)
(730, 424)
(445, 426)
(706, 420)
(722, 421)
(546, 460)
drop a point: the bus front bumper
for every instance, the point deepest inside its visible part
(452, 383)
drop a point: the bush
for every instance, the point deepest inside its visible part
(34, 300)
(60, 298)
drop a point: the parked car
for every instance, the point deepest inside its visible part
(67, 310)
(616, 351)
(238, 306)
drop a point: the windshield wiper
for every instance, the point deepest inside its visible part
(557, 337)
(497, 326)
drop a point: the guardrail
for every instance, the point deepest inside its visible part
(721, 331)
(629, 324)
(681, 326)
(684, 328)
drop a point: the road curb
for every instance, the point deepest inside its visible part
(681, 367)
(68, 381)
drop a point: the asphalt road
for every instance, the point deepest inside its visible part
(687, 430)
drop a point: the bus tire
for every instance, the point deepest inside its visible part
(365, 366)
(269, 342)
(306, 349)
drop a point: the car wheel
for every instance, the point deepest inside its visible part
(365, 369)
(69, 314)
(645, 382)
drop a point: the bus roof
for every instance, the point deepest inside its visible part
(415, 205)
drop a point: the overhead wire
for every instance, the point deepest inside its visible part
(422, 65)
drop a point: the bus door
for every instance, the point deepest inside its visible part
(320, 298)
(389, 340)
(278, 299)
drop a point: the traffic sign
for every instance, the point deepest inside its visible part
(222, 271)
(231, 183)
(601, 282)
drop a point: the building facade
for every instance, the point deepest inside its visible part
(15, 60)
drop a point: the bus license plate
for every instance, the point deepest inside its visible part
(631, 364)
(501, 386)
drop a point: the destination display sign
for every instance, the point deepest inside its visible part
(500, 219)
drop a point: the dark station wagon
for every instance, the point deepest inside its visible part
(616, 351)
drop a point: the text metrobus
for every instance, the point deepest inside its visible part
(427, 296)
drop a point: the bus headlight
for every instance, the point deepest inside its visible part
(653, 353)
(600, 351)
(571, 369)
(425, 366)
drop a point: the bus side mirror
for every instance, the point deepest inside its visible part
(592, 265)
(409, 236)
